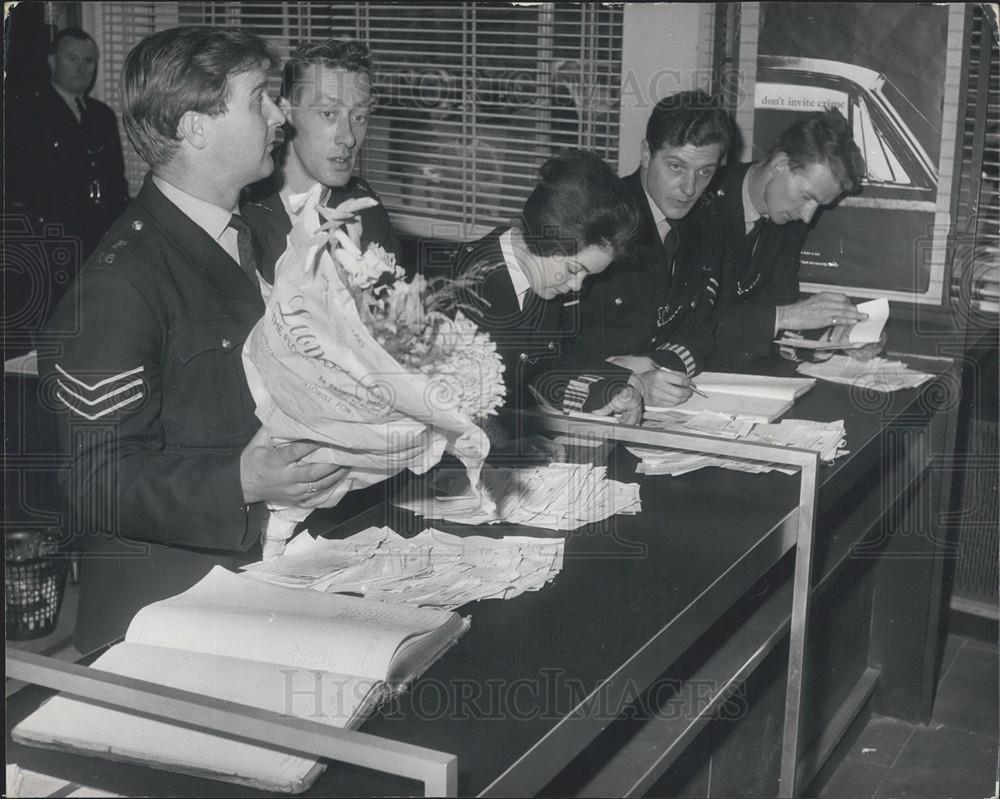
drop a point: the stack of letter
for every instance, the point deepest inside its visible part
(431, 569)
(877, 374)
(826, 438)
(560, 496)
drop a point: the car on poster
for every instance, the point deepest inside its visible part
(893, 213)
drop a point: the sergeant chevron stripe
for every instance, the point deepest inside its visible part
(93, 401)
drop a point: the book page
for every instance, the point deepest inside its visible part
(338, 700)
(764, 409)
(226, 614)
(757, 385)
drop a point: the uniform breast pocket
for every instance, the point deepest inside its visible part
(206, 398)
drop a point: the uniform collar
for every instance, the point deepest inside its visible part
(750, 214)
(517, 277)
(70, 99)
(662, 223)
(211, 218)
(293, 202)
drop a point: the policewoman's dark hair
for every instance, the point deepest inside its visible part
(579, 201)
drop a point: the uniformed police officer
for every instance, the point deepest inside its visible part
(63, 156)
(168, 469)
(520, 282)
(326, 98)
(653, 313)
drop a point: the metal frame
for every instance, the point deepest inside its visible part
(808, 463)
(438, 771)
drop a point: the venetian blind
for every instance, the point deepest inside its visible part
(471, 97)
(976, 278)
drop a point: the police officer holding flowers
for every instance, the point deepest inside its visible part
(168, 473)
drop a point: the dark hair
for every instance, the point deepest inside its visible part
(70, 33)
(347, 54)
(823, 138)
(691, 117)
(179, 70)
(579, 201)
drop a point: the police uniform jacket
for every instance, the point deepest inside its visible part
(145, 375)
(531, 340)
(264, 212)
(637, 307)
(760, 271)
(63, 171)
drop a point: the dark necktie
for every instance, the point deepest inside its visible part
(671, 244)
(246, 246)
(753, 236)
(80, 107)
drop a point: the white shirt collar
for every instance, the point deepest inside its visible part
(662, 223)
(750, 215)
(517, 277)
(210, 218)
(293, 202)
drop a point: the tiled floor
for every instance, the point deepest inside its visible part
(954, 756)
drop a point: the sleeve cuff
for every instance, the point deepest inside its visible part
(679, 358)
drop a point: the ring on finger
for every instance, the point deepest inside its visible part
(312, 488)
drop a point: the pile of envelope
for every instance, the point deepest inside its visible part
(826, 438)
(559, 496)
(877, 374)
(431, 569)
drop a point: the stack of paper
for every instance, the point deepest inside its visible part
(878, 374)
(431, 569)
(560, 496)
(826, 438)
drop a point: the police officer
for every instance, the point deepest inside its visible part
(63, 155)
(653, 313)
(520, 284)
(326, 98)
(769, 206)
(168, 471)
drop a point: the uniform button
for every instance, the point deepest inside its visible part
(227, 344)
(137, 224)
(551, 345)
(652, 340)
(694, 304)
(618, 300)
(523, 356)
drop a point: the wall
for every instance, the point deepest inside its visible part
(666, 49)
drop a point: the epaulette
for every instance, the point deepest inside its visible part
(116, 241)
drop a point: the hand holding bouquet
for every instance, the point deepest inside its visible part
(351, 356)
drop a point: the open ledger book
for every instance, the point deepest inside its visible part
(758, 397)
(322, 657)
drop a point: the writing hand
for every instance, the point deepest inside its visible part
(664, 387)
(278, 473)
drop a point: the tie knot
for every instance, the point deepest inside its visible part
(237, 223)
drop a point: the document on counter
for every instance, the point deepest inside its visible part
(433, 568)
(877, 374)
(826, 438)
(559, 496)
(760, 398)
(861, 333)
(242, 640)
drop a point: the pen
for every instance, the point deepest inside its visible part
(694, 388)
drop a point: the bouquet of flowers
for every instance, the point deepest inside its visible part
(375, 368)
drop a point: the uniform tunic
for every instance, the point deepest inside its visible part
(60, 170)
(153, 411)
(531, 339)
(757, 276)
(638, 307)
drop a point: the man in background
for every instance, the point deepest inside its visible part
(63, 155)
(326, 98)
(769, 206)
(168, 470)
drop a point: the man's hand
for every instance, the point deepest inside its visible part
(663, 388)
(276, 473)
(626, 405)
(842, 333)
(820, 310)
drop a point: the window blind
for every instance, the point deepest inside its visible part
(471, 97)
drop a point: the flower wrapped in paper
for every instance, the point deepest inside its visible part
(351, 356)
